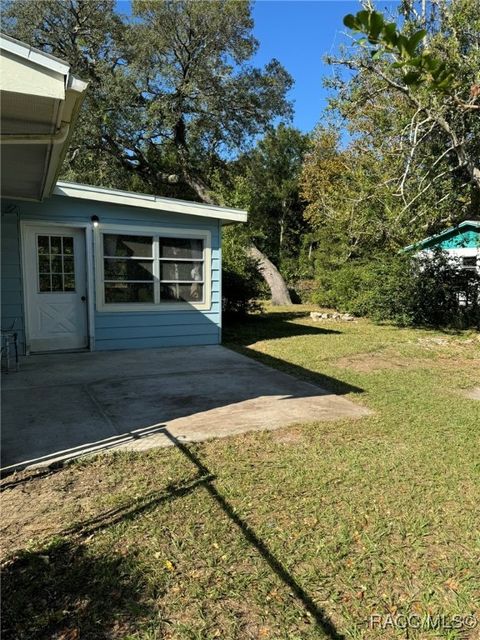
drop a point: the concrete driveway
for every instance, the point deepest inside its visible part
(60, 406)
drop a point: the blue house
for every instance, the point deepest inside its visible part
(85, 267)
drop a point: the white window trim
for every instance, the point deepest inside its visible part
(162, 307)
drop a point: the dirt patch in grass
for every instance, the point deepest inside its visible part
(291, 436)
(368, 362)
(438, 352)
(38, 505)
(472, 394)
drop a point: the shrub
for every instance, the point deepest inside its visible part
(304, 291)
(240, 292)
(429, 290)
(242, 285)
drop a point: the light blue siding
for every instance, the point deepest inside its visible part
(11, 275)
(117, 330)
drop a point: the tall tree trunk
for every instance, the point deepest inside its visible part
(269, 272)
(272, 276)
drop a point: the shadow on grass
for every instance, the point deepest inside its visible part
(270, 326)
(237, 336)
(67, 592)
(63, 592)
(321, 619)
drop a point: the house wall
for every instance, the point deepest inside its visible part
(113, 330)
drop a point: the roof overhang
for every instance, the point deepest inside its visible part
(141, 200)
(40, 101)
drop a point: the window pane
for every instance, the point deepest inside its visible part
(43, 244)
(44, 283)
(57, 282)
(55, 244)
(69, 282)
(181, 248)
(43, 264)
(181, 271)
(68, 246)
(181, 292)
(128, 269)
(56, 263)
(128, 292)
(127, 246)
(67, 264)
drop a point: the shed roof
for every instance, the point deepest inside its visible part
(145, 201)
(466, 225)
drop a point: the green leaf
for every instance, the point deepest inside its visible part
(363, 18)
(390, 34)
(375, 24)
(350, 21)
(412, 77)
(402, 44)
(415, 40)
(416, 62)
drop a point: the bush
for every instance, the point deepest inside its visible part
(240, 292)
(409, 290)
(304, 291)
(242, 285)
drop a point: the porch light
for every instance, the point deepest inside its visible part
(95, 220)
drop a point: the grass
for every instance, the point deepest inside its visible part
(299, 533)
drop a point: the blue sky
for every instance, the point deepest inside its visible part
(299, 33)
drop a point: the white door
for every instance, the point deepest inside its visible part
(55, 284)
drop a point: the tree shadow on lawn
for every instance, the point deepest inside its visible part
(257, 327)
(64, 591)
(238, 336)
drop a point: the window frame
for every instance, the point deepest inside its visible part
(470, 267)
(162, 306)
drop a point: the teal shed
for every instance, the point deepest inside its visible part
(461, 242)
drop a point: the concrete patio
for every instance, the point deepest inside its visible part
(60, 406)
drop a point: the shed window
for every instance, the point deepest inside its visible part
(469, 262)
(152, 269)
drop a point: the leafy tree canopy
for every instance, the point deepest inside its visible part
(172, 94)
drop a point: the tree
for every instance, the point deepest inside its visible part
(265, 180)
(432, 61)
(172, 94)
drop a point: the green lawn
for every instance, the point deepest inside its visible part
(299, 533)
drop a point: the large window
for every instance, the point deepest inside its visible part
(152, 269)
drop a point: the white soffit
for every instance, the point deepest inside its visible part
(145, 201)
(40, 102)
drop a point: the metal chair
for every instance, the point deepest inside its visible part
(9, 342)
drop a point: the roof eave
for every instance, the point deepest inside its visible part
(145, 201)
(76, 89)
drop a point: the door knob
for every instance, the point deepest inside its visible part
(83, 298)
